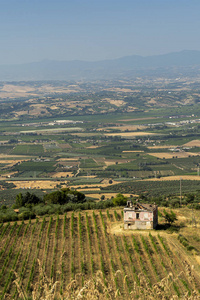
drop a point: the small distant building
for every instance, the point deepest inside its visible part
(140, 216)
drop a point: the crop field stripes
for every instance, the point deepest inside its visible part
(137, 254)
(22, 268)
(76, 258)
(12, 258)
(9, 253)
(153, 261)
(180, 263)
(105, 248)
(129, 264)
(89, 245)
(58, 251)
(79, 244)
(84, 249)
(115, 258)
(8, 241)
(66, 251)
(32, 261)
(172, 264)
(4, 230)
(20, 256)
(94, 255)
(109, 250)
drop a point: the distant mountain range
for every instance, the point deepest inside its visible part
(134, 65)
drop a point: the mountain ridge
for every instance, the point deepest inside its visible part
(78, 69)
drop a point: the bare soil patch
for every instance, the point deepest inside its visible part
(53, 130)
(130, 134)
(184, 177)
(62, 174)
(12, 156)
(173, 154)
(123, 128)
(115, 102)
(132, 151)
(36, 184)
(194, 143)
(161, 147)
(107, 195)
(113, 162)
(92, 147)
(90, 189)
(65, 146)
(68, 159)
(137, 119)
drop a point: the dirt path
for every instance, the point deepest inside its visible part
(178, 167)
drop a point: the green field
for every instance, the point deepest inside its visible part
(156, 188)
(36, 150)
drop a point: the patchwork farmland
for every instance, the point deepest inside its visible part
(80, 244)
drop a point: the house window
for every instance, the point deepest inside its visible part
(130, 215)
(137, 215)
(146, 216)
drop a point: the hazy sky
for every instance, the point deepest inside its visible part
(33, 30)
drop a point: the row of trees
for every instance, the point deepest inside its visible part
(58, 197)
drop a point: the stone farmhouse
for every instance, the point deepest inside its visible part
(140, 216)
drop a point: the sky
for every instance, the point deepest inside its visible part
(35, 30)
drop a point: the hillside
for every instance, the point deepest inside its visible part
(77, 70)
(79, 245)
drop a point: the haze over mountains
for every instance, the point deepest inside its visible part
(176, 63)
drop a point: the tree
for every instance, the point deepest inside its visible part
(56, 197)
(64, 196)
(119, 200)
(102, 197)
(170, 217)
(28, 198)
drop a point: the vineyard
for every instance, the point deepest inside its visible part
(84, 243)
(155, 188)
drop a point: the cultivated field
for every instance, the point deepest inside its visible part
(78, 245)
(194, 143)
(130, 134)
(62, 174)
(184, 177)
(123, 128)
(174, 154)
(34, 184)
(107, 195)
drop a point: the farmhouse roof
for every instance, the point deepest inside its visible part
(140, 206)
